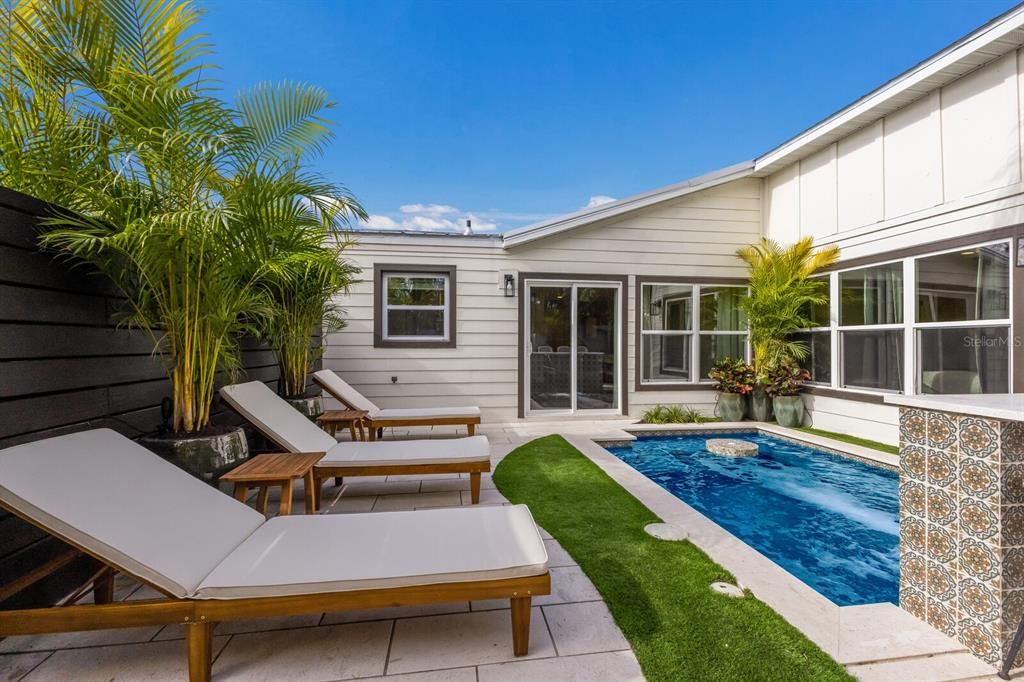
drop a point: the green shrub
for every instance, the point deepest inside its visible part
(674, 414)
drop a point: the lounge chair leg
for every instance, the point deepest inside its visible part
(521, 625)
(474, 487)
(200, 644)
(338, 480)
(471, 429)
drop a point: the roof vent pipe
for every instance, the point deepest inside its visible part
(469, 227)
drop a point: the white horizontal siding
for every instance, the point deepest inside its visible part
(696, 235)
(867, 420)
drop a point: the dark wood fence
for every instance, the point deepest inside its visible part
(64, 367)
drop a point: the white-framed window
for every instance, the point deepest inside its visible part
(415, 306)
(932, 323)
(685, 328)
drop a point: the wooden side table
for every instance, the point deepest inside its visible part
(331, 420)
(278, 468)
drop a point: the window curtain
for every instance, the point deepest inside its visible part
(991, 303)
(883, 304)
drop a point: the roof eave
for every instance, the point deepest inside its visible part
(588, 216)
(938, 70)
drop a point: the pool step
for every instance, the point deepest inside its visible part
(957, 666)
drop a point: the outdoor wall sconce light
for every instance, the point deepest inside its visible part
(510, 286)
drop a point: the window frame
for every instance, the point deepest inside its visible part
(911, 369)
(694, 332)
(381, 273)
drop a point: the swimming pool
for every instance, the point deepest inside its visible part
(829, 520)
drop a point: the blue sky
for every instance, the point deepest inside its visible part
(513, 112)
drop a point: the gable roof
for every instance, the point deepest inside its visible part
(998, 37)
(591, 215)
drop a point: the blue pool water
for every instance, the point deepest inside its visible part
(831, 521)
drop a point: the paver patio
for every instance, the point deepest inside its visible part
(573, 636)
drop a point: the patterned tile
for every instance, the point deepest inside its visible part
(979, 478)
(913, 570)
(941, 467)
(942, 430)
(978, 560)
(1011, 441)
(913, 602)
(942, 583)
(978, 437)
(913, 463)
(1013, 608)
(912, 535)
(978, 600)
(1013, 483)
(941, 616)
(941, 545)
(913, 498)
(913, 427)
(1013, 525)
(977, 519)
(980, 639)
(1013, 569)
(941, 506)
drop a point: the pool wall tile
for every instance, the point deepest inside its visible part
(971, 536)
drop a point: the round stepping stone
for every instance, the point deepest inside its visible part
(728, 589)
(666, 531)
(731, 447)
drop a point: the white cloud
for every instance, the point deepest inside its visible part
(599, 200)
(431, 218)
(380, 222)
(429, 209)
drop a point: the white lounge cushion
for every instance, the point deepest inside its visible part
(427, 413)
(278, 420)
(120, 502)
(291, 555)
(344, 392)
(398, 452)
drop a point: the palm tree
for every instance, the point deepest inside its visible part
(782, 291)
(192, 208)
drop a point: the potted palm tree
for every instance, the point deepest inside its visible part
(295, 218)
(155, 152)
(734, 380)
(781, 291)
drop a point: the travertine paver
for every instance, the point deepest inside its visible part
(433, 643)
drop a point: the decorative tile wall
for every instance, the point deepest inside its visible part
(962, 527)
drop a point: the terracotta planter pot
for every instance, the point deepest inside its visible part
(730, 407)
(205, 454)
(789, 410)
(760, 405)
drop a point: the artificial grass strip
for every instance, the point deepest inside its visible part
(657, 591)
(853, 440)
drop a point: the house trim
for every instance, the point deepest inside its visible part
(379, 270)
(521, 336)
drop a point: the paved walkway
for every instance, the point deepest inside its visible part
(573, 636)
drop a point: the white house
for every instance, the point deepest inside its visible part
(613, 309)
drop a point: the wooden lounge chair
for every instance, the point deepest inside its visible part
(286, 426)
(378, 419)
(216, 559)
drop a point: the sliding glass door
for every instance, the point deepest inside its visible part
(573, 347)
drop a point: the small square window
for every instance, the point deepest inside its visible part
(413, 306)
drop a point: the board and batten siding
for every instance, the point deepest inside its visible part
(947, 165)
(690, 237)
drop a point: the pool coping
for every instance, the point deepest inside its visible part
(852, 635)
